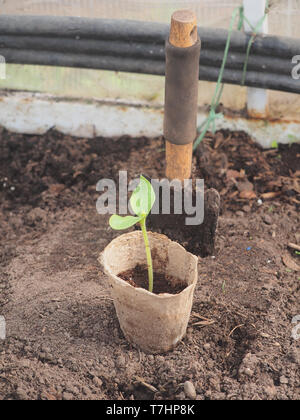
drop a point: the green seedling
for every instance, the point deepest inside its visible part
(141, 202)
(274, 144)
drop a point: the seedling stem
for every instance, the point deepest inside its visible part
(148, 253)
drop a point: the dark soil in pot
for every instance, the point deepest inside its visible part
(138, 277)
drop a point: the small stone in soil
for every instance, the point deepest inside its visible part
(267, 219)
(189, 390)
(66, 396)
(248, 372)
(97, 381)
(283, 380)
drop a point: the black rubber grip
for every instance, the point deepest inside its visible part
(181, 93)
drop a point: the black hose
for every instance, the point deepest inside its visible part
(253, 79)
(138, 47)
(103, 62)
(141, 50)
(84, 46)
(136, 31)
(236, 60)
(75, 27)
(156, 67)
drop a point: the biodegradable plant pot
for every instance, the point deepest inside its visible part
(155, 323)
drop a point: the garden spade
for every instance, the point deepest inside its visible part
(180, 131)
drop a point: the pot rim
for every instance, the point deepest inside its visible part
(123, 283)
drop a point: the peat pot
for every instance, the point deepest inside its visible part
(155, 323)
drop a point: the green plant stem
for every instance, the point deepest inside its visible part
(212, 116)
(219, 88)
(148, 254)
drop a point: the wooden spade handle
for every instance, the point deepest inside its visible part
(183, 34)
(183, 31)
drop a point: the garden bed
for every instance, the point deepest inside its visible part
(63, 337)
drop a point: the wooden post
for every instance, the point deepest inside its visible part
(183, 34)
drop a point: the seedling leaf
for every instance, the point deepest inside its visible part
(142, 198)
(119, 223)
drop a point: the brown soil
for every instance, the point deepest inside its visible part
(63, 337)
(138, 277)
